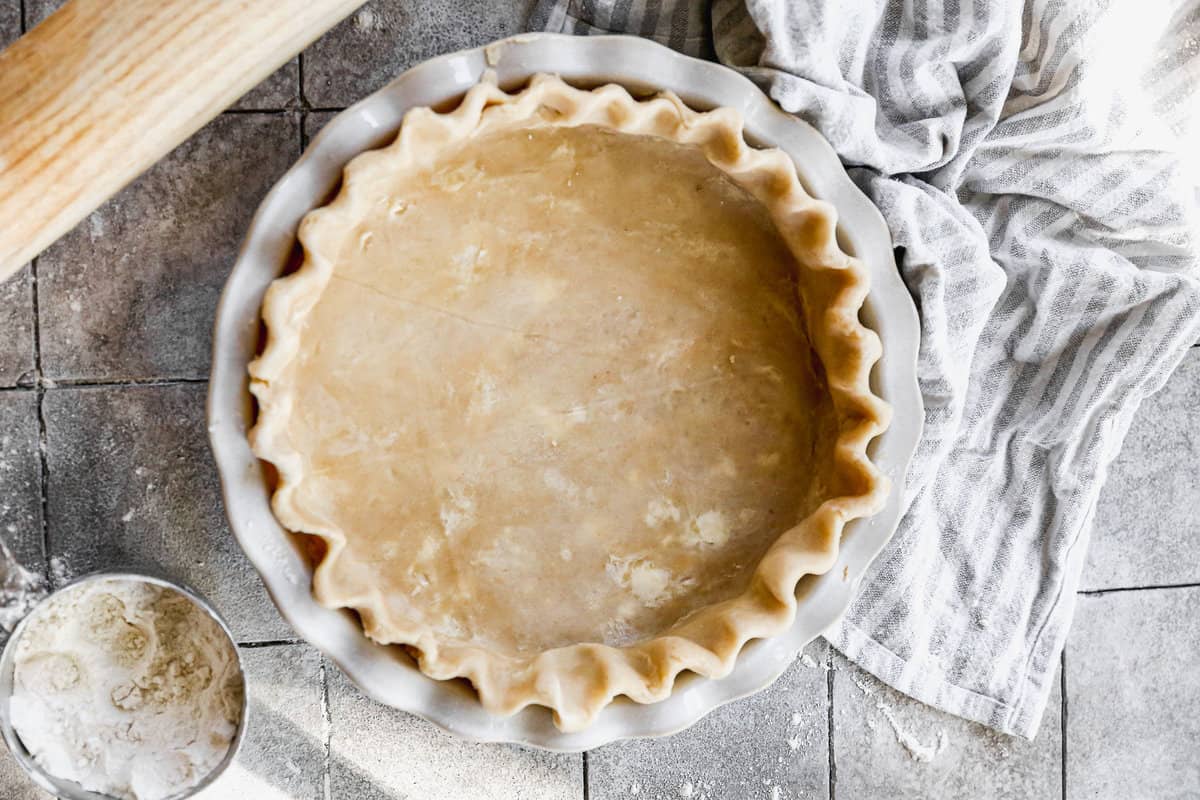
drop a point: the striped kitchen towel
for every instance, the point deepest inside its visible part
(1029, 160)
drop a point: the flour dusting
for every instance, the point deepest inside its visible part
(20, 589)
(917, 750)
(60, 571)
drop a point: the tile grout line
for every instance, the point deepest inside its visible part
(280, 112)
(300, 96)
(89, 383)
(1062, 677)
(327, 722)
(587, 791)
(39, 392)
(1100, 592)
(829, 721)
(302, 101)
(268, 643)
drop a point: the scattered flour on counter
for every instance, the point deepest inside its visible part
(798, 740)
(126, 688)
(20, 589)
(60, 571)
(917, 750)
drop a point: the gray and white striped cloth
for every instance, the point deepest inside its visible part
(1029, 160)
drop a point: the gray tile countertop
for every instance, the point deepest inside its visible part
(104, 461)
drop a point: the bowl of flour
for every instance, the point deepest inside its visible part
(122, 686)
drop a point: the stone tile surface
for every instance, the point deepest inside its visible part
(887, 745)
(314, 121)
(132, 482)
(283, 755)
(773, 745)
(386, 37)
(379, 753)
(10, 22)
(21, 479)
(1133, 688)
(1146, 531)
(20, 488)
(38, 10)
(278, 90)
(131, 292)
(14, 783)
(16, 329)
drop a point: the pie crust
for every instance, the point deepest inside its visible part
(572, 390)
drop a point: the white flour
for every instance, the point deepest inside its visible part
(917, 750)
(127, 688)
(20, 589)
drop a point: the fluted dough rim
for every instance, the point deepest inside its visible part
(577, 681)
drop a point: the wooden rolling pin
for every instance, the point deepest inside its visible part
(101, 90)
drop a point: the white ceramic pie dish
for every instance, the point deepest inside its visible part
(387, 673)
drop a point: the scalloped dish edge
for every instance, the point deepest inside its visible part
(579, 680)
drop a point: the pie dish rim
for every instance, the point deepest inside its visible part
(591, 61)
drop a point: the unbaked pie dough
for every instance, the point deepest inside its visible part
(573, 388)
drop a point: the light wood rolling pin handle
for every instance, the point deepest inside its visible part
(104, 88)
